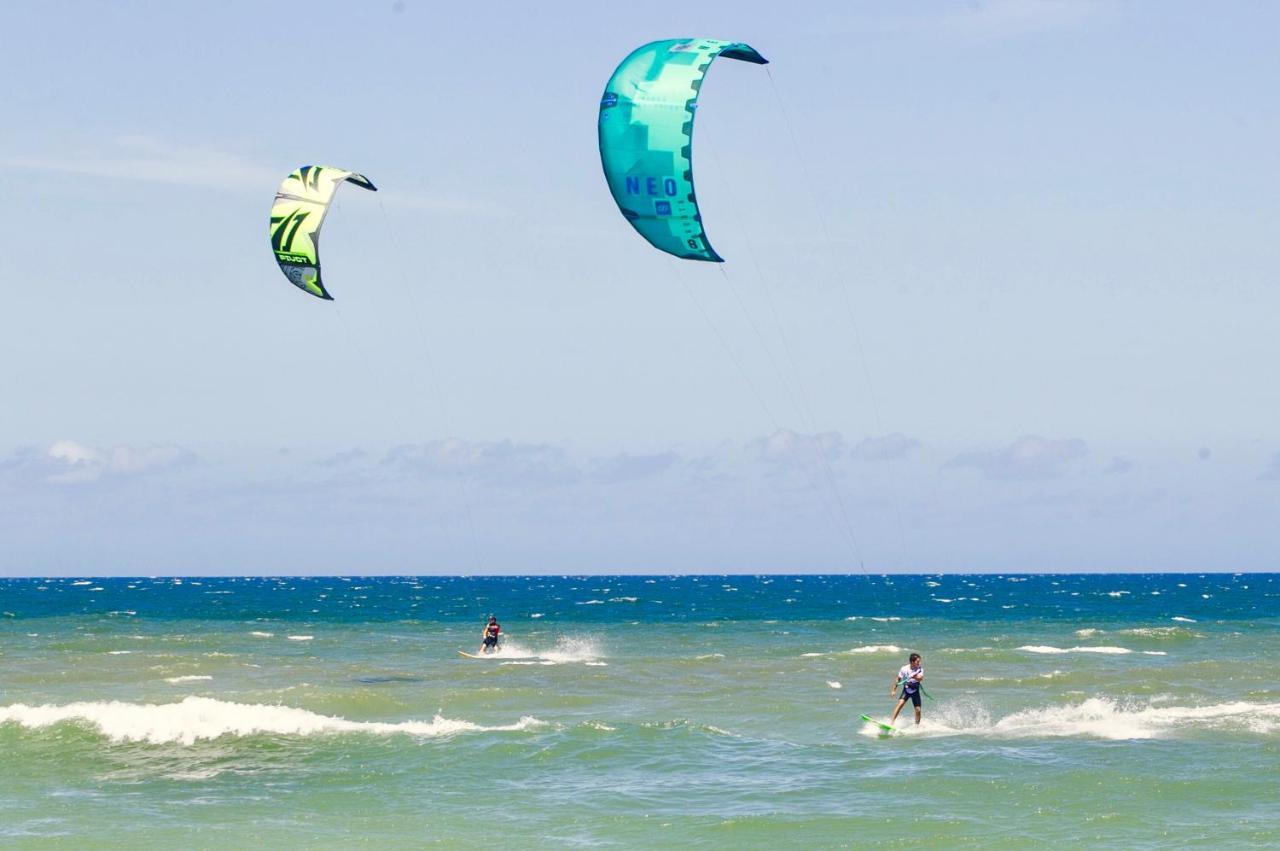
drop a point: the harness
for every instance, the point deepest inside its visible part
(919, 688)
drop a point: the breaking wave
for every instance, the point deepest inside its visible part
(201, 718)
(1043, 648)
(875, 648)
(1104, 718)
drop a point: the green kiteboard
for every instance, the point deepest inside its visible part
(886, 730)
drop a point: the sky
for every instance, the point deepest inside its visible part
(1000, 292)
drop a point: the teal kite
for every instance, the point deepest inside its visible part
(296, 216)
(646, 138)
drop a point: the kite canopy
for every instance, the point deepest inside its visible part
(299, 209)
(646, 138)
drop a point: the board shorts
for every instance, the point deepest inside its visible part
(491, 641)
(913, 696)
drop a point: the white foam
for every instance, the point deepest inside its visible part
(1157, 631)
(536, 615)
(527, 662)
(590, 603)
(301, 637)
(262, 634)
(573, 649)
(187, 679)
(873, 730)
(1042, 648)
(1183, 620)
(623, 599)
(119, 652)
(714, 656)
(1104, 718)
(1087, 633)
(875, 648)
(805, 655)
(567, 649)
(834, 684)
(201, 718)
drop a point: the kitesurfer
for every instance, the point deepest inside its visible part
(491, 632)
(909, 677)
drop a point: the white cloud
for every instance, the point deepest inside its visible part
(788, 447)
(1119, 466)
(75, 462)
(628, 468)
(340, 459)
(141, 157)
(1028, 457)
(494, 461)
(70, 462)
(890, 447)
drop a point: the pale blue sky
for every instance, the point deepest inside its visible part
(1000, 292)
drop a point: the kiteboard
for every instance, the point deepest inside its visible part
(474, 656)
(885, 729)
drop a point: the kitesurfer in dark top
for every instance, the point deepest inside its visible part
(909, 677)
(491, 633)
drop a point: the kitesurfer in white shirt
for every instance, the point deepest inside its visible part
(909, 677)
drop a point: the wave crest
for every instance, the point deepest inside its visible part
(875, 648)
(1044, 648)
(202, 718)
(1104, 718)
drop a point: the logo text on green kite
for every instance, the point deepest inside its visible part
(279, 241)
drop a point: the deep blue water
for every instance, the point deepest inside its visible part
(1009, 597)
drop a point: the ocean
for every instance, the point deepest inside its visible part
(1125, 711)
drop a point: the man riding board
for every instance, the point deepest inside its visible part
(491, 633)
(909, 677)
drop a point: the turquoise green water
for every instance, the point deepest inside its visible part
(640, 712)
